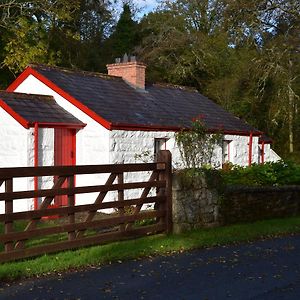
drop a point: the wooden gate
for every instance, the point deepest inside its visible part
(78, 225)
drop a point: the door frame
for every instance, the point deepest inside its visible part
(62, 200)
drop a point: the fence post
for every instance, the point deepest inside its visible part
(8, 227)
(166, 157)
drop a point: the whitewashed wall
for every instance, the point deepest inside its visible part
(239, 149)
(17, 150)
(270, 154)
(125, 146)
(13, 153)
(92, 142)
(46, 157)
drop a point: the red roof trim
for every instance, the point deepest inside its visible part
(236, 132)
(58, 125)
(135, 127)
(12, 87)
(62, 93)
(15, 115)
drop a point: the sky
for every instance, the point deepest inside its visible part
(147, 5)
(143, 6)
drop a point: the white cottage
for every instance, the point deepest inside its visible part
(92, 118)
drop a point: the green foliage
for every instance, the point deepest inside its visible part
(65, 33)
(268, 174)
(242, 54)
(26, 44)
(196, 146)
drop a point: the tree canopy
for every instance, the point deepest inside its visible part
(242, 54)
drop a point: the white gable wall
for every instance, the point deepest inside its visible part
(92, 142)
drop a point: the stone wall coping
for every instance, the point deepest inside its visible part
(262, 189)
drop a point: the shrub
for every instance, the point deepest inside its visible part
(271, 173)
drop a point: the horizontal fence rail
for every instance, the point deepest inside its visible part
(51, 228)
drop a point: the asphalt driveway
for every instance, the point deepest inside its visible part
(267, 269)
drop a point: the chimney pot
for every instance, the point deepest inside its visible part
(133, 58)
(118, 60)
(125, 58)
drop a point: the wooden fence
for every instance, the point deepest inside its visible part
(88, 230)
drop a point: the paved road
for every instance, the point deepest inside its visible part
(262, 270)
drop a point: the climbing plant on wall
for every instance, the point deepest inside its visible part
(196, 145)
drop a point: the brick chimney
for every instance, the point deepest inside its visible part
(132, 72)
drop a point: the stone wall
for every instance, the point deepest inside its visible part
(247, 204)
(195, 205)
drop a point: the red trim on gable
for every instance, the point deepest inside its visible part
(15, 115)
(19, 80)
(62, 93)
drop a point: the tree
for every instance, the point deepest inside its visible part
(124, 38)
(242, 54)
(58, 32)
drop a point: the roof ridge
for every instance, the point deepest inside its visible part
(76, 71)
(26, 95)
(175, 86)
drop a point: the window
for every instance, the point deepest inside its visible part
(159, 144)
(226, 151)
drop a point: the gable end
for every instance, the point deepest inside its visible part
(29, 71)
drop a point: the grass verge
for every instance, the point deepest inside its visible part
(148, 246)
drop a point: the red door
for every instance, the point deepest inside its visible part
(64, 155)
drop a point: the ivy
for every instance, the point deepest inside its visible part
(196, 146)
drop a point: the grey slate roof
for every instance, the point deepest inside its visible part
(158, 106)
(266, 139)
(38, 108)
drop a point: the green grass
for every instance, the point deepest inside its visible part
(148, 246)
